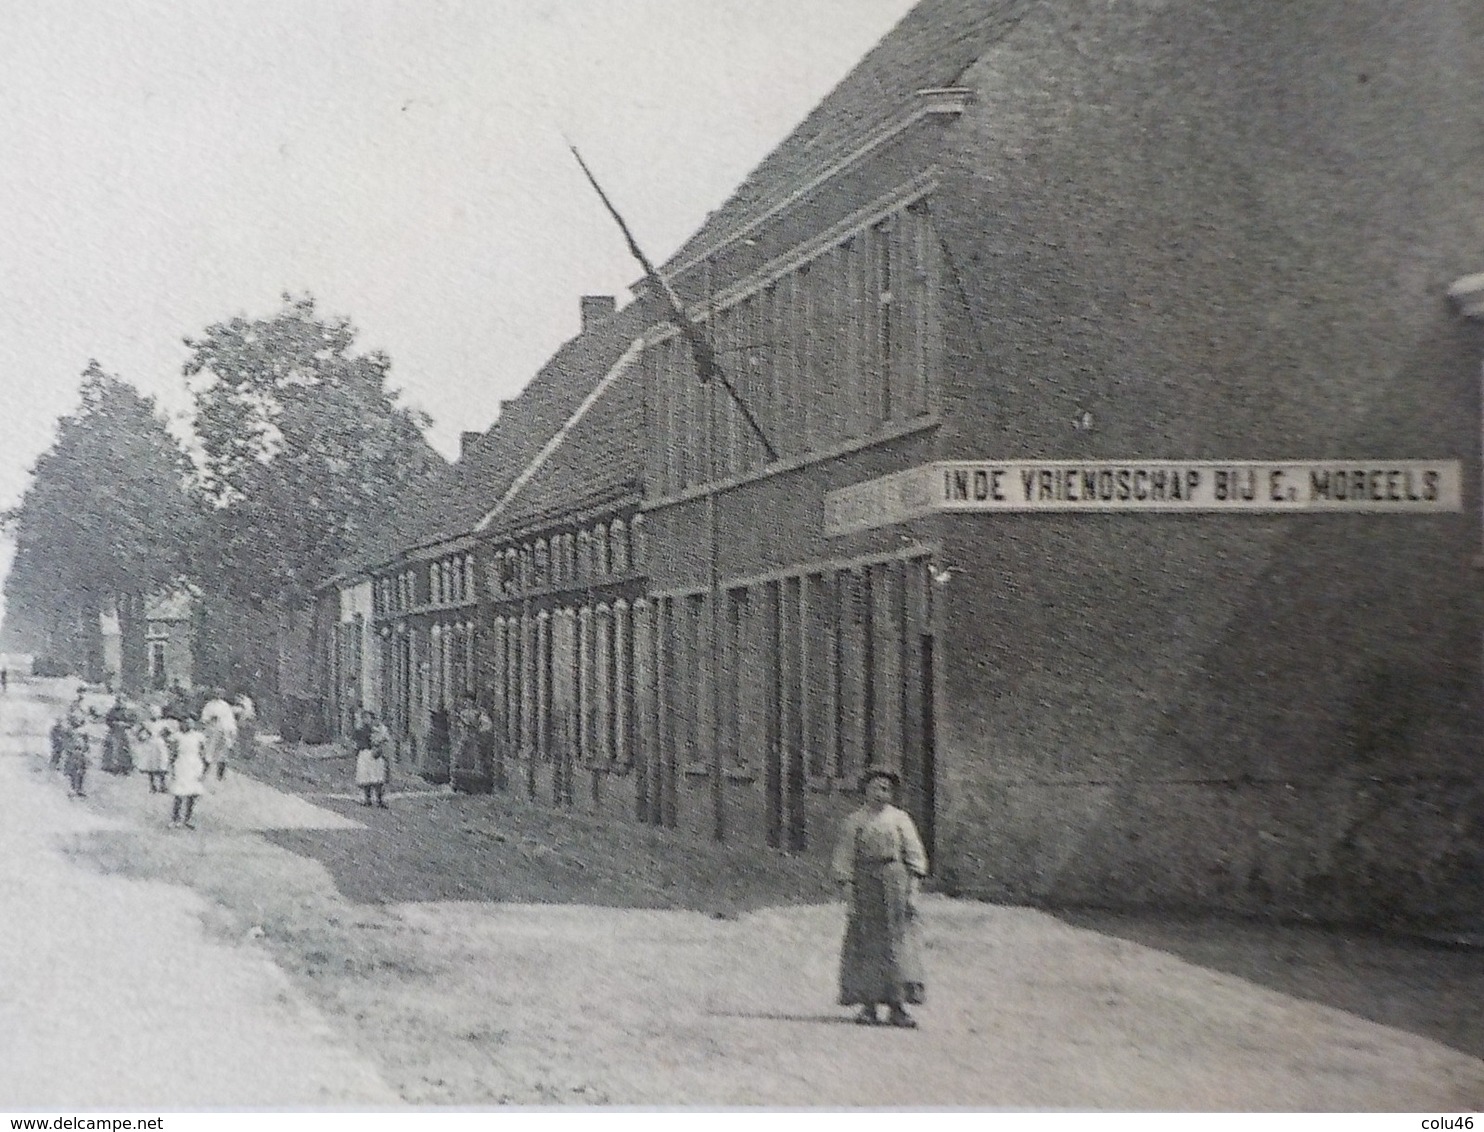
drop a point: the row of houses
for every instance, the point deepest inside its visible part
(1124, 489)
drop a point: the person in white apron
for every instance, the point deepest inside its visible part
(152, 752)
(219, 723)
(373, 762)
(187, 773)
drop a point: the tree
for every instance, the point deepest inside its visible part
(106, 520)
(304, 446)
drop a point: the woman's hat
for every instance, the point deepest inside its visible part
(880, 772)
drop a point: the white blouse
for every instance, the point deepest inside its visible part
(882, 835)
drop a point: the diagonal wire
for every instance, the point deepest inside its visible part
(707, 366)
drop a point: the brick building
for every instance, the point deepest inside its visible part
(1127, 480)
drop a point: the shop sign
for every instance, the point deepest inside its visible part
(893, 498)
(1418, 487)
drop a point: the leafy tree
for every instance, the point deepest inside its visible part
(304, 446)
(107, 518)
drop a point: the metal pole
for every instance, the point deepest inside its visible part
(713, 533)
(707, 369)
(529, 651)
(718, 792)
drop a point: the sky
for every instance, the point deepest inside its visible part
(170, 164)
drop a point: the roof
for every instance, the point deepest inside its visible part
(454, 503)
(930, 48)
(592, 460)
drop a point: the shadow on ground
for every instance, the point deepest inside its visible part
(1425, 988)
(431, 844)
(486, 848)
(439, 846)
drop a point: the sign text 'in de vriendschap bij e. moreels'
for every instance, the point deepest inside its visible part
(1384, 486)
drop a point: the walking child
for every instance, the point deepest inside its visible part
(187, 773)
(77, 713)
(75, 760)
(219, 725)
(59, 742)
(153, 750)
(373, 766)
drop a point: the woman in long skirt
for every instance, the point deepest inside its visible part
(247, 726)
(878, 861)
(117, 753)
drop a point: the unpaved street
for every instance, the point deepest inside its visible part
(312, 974)
(111, 994)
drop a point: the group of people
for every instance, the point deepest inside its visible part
(879, 859)
(177, 745)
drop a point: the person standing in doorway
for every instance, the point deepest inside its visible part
(187, 772)
(219, 723)
(878, 862)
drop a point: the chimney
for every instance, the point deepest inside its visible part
(595, 308)
(467, 440)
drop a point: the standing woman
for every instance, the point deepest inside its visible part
(878, 862)
(247, 725)
(117, 757)
(187, 772)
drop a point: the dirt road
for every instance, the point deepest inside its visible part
(529, 990)
(111, 993)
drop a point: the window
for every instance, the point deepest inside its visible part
(638, 551)
(881, 292)
(840, 347)
(618, 541)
